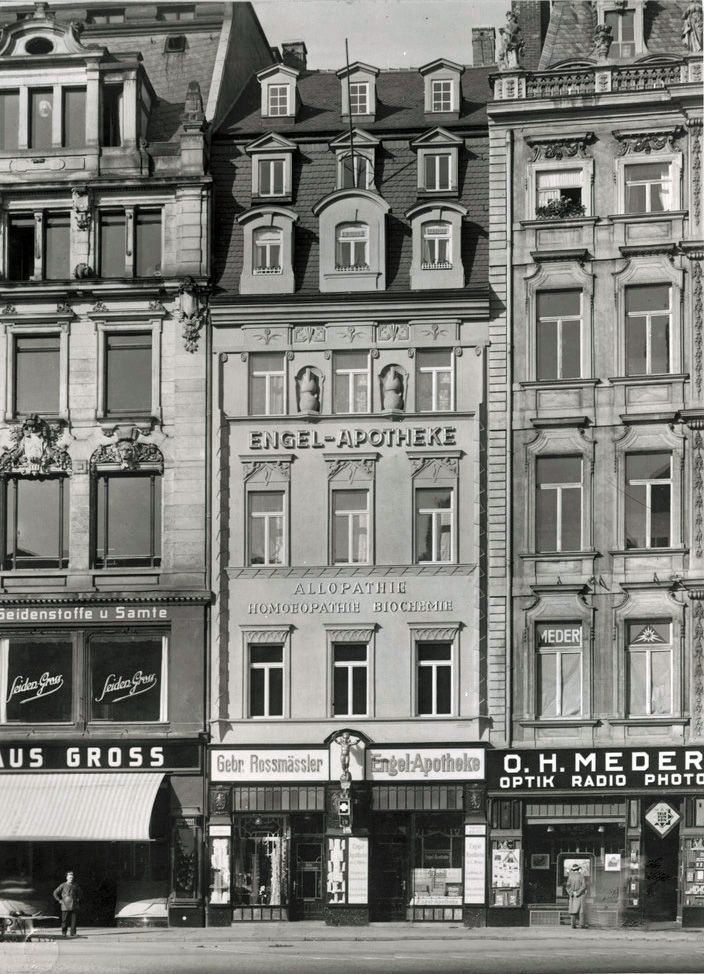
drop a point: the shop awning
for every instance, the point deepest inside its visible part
(84, 807)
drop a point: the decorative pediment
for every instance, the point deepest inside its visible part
(128, 452)
(265, 471)
(436, 633)
(349, 634)
(655, 140)
(274, 71)
(434, 467)
(560, 147)
(359, 67)
(360, 139)
(270, 142)
(440, 64)
(271, 636)
(351, 469)
(437, 137)
(36, 450)
(42, 35)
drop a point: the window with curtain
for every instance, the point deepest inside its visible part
(437, 246)
(559, 665)
(268, 245)
(649, 668)
(559, 184)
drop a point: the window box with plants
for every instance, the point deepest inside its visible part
(561, 208)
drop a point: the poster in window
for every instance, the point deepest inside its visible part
(126, 678)
(505, 868)
(358, 870)
(540, 860)
(39, 681)
(612, 862)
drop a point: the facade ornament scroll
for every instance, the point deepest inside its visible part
(695, 126)
(192, 313)
(697, 316)
(128, 452)
(648, 142)
(692, 27)
(565, 147)
(36, 450)
(432, 468)
(354, 468)
(511, 44)
(279, 469)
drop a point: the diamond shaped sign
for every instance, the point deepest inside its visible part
(662, 818)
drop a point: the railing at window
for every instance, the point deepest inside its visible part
(277, 269)
(438, 265)
(351, 268)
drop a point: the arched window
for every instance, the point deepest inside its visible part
(352, 247)
(437, 246)
(266, 258)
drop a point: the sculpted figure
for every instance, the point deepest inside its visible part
(511, 44)
(692, 27)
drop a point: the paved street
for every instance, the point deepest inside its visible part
(449, 952)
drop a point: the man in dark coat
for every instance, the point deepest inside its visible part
(68, 896)
(576, 889)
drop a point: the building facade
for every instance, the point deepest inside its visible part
(104, 593)
(597, 233)
(358, 497)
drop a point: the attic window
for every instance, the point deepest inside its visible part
(114, 16)
(39, 45)
(182, 12)
(175, 44)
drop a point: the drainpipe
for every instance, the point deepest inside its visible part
(509, 436)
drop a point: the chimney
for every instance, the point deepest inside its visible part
(533, 17)
(294, 54)
(483, 46)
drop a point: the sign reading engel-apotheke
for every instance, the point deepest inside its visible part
(425, 764)
(312, 439)
(100, 756)
(603, 769)
(269, 764)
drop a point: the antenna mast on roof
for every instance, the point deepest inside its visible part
(349, 109)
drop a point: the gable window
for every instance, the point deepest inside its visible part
(36, 522)
(559, 335)
(112, 255)
(41, 111)
(559, 669)
(648, 500)
(20, 248)
(350, 676)
(622, 24)
(650, 668)
(277, 99)
(112, 118)
(648, 316)
(266, 681)
(128, 519)
(352, 247)
(267, 244)
(434, 679)
(74, 118)
(36, 375)
(437, 171)
(558, 507)
(128, 373)
(110, 16)
(272, 180)
(355, 172)
(437, 246)
(28, 665)
(434, 524)
(434, 380)
(9, 120)
(350, 527)
(648, 187)
(147, 243)
(359, 98)
(266, 527)
(139, 661)
(441, 95)
(267, 384)
(559, 184)
(351, 382)
(57, 246)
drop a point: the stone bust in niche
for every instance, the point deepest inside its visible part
(309, 392)
(392, 388)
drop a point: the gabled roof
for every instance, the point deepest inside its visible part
(436, 136)
(438, 63)
(360, 138)
(277, 69)
(271, 142)
(358, 66)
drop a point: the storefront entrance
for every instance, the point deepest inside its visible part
(660, 858)
(388, 876)
(308, 864)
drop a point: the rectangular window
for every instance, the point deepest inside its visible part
(147, 243)
(9, 120)
(648, 187)
(648, 500)
(559, 646)
(278, 99)
(266, 681)
(74, 118)
(350, 680)
(267, 243)
(36, 375)
(559, 335)
(350, 527)
(622, 24)
(355, 172)
(57, 247)
(352, 247)
(559, 184)
(20, 246)
(441, 96)
(648, 316)
(112, 245)
(649, 668)
(434, 679)
(359, 98)
(37, 674)
(267, 384)
(271, 177)
(351, 382)
(128, 373)
(41, 111)
(128, 520)
(267, 526)
(436, 246)
(558, 504)
(36, 522)
(112, 96)
(434, 524)
(438, 171)
(127, 678)
(434, 375)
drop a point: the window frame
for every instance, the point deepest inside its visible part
(648, 184)
(9, 562)
(70, 636)
(267, 375)
(359, 157)
(586, 169)
(435, 371)
(673, 159)
(353, 96)
(266, 517)
(559, 689)
(648, 315)
(136, 322)
(105, 473)
(648, 484)
(559, 321)
(426, 242)
(274, 90)
(284, 160)
(163, 676)
(434, 665)
(268, 268)
(350, 666)
(435, 83)
(559, 487)
(647, 650)
(334, 491)
(36, 328)
(266, 634)
(353, 242)
(436, 522)
(350, 374)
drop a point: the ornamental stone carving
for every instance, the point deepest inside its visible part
(392, 332)
(393, 381)
(36, 450)
(435, 468)
(692, 27)
(128, 453)
(266, 470)
(647, 142)
(80, 200)
(192, 313)
(351, 468)
(602, 41)
(309, 334)
(563, 147)
(511, 44)
(309, 382)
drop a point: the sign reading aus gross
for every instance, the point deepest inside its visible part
(100, 756)
(602, 769)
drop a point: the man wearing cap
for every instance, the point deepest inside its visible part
(576, 889)
(68, 896)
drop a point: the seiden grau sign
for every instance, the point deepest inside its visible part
(599, 769)
(100, 756)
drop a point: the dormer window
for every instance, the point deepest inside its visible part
(436, 261)
(268, 244)
(358, 90)
(441, 96)
(355, 162)
(352, 247)
(277, 99)
(355, 171)
(352, 234)
(271, 167)
(271, 177)
(625, 19)
(438, 171)
(437, 246)
(278, 91)
(267, 267)
(442, 79)
(359, 98)
(438, 160)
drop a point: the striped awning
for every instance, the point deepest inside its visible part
(86, 807)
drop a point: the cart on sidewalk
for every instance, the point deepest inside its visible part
(25, 928)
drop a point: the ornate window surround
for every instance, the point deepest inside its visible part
(260, 474)
(436, 468)
(348, 471)
(559, 276)
(107, 323)
(644, 146)
(420, 632)
(27, 326)
(352, 632)
(259, 218)
(552, 153)
(273, 634)
(352, 206)
(434, 211)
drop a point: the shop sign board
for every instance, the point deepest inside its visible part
(87, 755)
(32, 613)
(353, 438)
(269, 764)
(662, 818)
(357, 870)
(425, 764)
(474, 864)
(598, 770)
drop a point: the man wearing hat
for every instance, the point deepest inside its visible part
(576, 889)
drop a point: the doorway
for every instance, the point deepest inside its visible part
(308, 866)
(389, 865)
(661, 856)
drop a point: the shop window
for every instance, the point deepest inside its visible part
(441, 95)
(266, 535)
(559, 335)
(74, 118)
(352, 247)
(267, 384)
(20, 249)
(112, 117)
(266, 681)
(268, 246)
(57, 246)
(439, 857)
(650, 671)
(272, 177)
(437, 171)
(559, 669)
(355, 171)
(434, 380)
(648, 500)
(350, 527)
(9, 120)
(127, 678)
(147, 243)
(351, 386)
(648, 187)
(220, 881)
(277, 99)
(36, 522)
(260, 866)
(359, 97)
(41, 112)
(434, 525)
(350, 677)
(128, 373)
(112, 252)
(558, 505)
(437, 246)
(36, 375)
(127, 520)
(37, 680)
(434, 679)
(648, 321)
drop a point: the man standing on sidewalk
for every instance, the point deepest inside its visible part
(68, 896)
